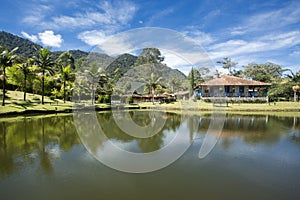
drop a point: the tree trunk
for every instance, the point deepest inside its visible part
(43, 86)
(3, 98)
(24, 87)
(93, 95)
(64, 91)
(295, 96)
(152, 96)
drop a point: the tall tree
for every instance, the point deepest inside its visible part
(6, 60)
(227, 64)
(191, 77)
(152, 84)
(95, 78)
(149, 55)
(65, 62)
(268, 72)
(25, 68)
(45, 62)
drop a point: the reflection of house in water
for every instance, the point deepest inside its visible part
(251, 128)
(233, 88)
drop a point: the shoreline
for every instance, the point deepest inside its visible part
(267, 110)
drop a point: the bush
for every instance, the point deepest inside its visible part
(129, 100)
(103, 99)
(106, 99)
(100, 99)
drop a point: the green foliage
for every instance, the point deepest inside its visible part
(149, 55)
(121, 65)
(138, 76)
(129, 100)
(268, 72)
(104, 98)
(7, 58)
(227, 64)
(26, 48)
(45, 63)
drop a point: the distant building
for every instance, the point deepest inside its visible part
(182, 95)
(231, 87)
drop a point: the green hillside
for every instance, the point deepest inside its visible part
(123, 62)
(26, 47)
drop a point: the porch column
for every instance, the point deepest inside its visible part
(253, 91)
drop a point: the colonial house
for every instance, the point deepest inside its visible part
(234, 88)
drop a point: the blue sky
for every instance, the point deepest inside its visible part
(247, 31)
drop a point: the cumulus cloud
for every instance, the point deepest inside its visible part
(32, 38)
(48, 38)
(93, 37)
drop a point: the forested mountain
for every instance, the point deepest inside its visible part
(138, 76)
(75, 53)
(124, 62)
(26, 47)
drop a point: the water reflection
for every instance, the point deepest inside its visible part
(26, 140)
(49, 146)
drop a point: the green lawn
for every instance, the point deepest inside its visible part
(245, 107)
(15, 103)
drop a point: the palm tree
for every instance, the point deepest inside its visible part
(95, 78)
(65, 61)
(6, 60)
(25, 68)
(45, 62)
(153, 84)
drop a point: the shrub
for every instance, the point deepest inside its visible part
(129, 100)
(106, 99)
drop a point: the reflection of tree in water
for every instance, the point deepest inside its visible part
(295, 131)
(7, 163)
(30, 135)
(112, 131)
(45, 161)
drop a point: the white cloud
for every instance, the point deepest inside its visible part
(32, 38)
(48, 38)
(159, 15)
(185, 61)
(197, 35)
(270, 20)
(295, 54)
(105, 14)
(93, 37)
(36, 14)
(270, 42)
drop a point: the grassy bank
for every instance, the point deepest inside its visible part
(16, 106)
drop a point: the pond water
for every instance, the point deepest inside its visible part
(256, 157)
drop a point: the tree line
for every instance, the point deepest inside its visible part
(41, 73)
(54, 76)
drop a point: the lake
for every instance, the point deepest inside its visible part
(255, 157)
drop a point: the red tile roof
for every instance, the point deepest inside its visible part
(232, 80)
